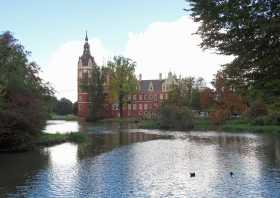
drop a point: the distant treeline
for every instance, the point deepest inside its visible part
(62, 107)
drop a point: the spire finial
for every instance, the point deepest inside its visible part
(86, 37)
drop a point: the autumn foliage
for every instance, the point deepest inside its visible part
(227, 102)
(206, 98)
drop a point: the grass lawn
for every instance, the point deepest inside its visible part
(235, 125)
(148, 124)
(46, 139)
(69, 117)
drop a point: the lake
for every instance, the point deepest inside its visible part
(123, 162)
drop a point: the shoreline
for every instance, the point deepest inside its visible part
(49, 139)
(203, 124)
(236, 126)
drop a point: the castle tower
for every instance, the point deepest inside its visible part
(86, 65)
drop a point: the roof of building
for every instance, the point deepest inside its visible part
(144, 85)
(86, 54)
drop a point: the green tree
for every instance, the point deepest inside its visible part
(23, 104)
(175, 117)
(75, 108)
(123, 81)
(250, 31)
(198, 86)
(64, 107)
(195, 99)
(181, 92)
(96, 94)
(51, 102)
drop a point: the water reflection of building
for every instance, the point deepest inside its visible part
(106, 142)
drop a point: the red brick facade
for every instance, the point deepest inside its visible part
(145, 103)
(83, 105)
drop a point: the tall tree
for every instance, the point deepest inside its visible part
(206, 99)
(123, 80)
(195, 99)
(96, 94)
(227, 102)
(186, 92)
(250, 31)
(181, 92)
(23, 110)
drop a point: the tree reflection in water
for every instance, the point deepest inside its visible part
(110, 165)
(16, 168)
(100, 143)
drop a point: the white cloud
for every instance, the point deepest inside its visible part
(171, 46)
(162, 47)
(61, 69)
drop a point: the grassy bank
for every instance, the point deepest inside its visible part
(204, 124)
(119, 120)
(148, 124)
(69, 117)
(243, 126)
(46, 139)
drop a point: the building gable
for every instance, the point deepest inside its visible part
(151, 86)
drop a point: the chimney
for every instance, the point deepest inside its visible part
(140, 77)
(160, 76)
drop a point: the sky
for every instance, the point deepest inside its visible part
(158, 35)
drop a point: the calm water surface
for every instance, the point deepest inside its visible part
(122, 162)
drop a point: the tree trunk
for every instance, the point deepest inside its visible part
(121, 105)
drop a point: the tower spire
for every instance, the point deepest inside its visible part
(86, 37)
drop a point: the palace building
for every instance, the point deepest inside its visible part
(144, 104)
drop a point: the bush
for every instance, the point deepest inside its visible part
(219, 116)
(272, 118)
(257, 109)
(77, 137)
(260, 120)
(21, 122)
(15, 132)
(175, 117)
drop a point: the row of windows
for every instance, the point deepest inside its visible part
(149, 97)
(135, 107)
(144, 113)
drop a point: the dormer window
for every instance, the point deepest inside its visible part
(151, 87)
